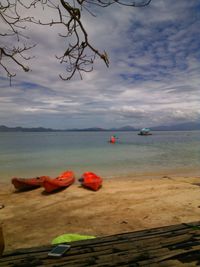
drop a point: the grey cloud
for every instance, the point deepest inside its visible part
(153, 76)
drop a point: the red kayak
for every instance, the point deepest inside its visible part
(64, 180)
(91, 180)
(28, 183)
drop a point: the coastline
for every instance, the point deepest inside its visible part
(33, 218)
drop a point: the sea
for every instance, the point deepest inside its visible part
(32, 154)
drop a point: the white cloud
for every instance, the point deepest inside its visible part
(153, 76)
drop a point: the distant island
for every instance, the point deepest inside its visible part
(190, 126)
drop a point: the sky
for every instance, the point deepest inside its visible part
(153, 78)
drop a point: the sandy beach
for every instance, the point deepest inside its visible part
(34, 218)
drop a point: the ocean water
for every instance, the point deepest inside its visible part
(35, 154)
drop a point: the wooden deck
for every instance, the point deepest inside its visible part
(175, 245)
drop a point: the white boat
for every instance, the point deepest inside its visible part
(145, 131)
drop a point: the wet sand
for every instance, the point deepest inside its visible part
(34, 218)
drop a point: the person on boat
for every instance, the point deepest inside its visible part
(113, 139)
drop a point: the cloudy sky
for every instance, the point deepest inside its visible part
(153, 78)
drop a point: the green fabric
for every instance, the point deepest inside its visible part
(70, 238)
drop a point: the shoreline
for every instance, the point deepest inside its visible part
(192, 171)
(33, 218)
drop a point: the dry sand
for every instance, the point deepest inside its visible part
(33, 218)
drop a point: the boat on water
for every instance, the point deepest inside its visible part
(112, 139)
(22, 184)
(145, 132)
(91, 180)
(64, 180)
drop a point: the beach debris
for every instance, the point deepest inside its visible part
(168, 177)
(124, 222)
(2, 206)
(197, 184)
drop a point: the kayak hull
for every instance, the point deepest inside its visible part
(28, 183)
(91, 180)
(64, 180)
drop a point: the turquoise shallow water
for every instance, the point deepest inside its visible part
(34, 154)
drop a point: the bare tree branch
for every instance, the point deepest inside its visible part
(77, 56)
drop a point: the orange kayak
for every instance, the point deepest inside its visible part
(91, 180)
(62, 181)
(28, 183)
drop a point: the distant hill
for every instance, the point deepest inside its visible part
(179, 127)
(97, 129)
(93, 129)
(41, 129)
(124, 128)
(21, 129)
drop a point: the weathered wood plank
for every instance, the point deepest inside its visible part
(176, 245)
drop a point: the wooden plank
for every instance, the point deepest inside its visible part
(175, 245)
(112, 255)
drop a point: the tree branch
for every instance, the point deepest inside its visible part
(76, 56)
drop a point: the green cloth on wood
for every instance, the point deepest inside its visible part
(70, 238)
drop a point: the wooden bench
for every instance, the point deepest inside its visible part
(175, 245)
